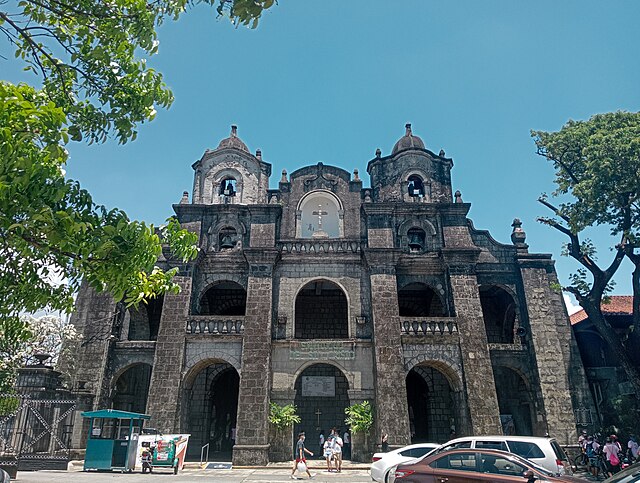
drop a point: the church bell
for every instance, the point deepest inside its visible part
(226, 242)
(415, 242)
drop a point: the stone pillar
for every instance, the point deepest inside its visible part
(391, 409)
(166, 376)
(476, 360)
(551, 350)
(252, 440)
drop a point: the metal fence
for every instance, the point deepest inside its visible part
(37, 432)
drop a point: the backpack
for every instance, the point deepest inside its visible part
(590, 451)
(614, 460)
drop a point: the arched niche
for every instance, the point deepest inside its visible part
(419, 300)
(515, 401)
(131, 389)
(320, 215)
(227, 186)
(144, 320)
(223, 298)
(415, 187)
(321, 311)
(499, 314)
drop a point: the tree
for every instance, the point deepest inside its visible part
(89, 60)
(597, 165)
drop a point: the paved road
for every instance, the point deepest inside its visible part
(191, 476)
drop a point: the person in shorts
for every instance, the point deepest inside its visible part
(337, 450)
(327, 452)
(299, 456)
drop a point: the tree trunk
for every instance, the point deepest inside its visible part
(633, 343)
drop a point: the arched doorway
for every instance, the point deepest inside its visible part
(321, 312)
(224, 298)
(131, 389)
(419, 300)
(499, 314)
(211, 410)
(515, 402)
(432, 405)
(321, 398)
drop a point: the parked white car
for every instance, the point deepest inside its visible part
(384, 462)
(545, 452)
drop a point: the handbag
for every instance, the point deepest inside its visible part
(302, 467)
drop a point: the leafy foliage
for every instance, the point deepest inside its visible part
(14, 334)
(91, 56)
(597, 165)
(359, 417)
(283, 417)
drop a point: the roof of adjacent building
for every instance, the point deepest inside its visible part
(618, 305)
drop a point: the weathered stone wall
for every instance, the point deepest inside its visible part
(479, 383)
(165, 390)
(252, 444)
(549, 351)
(391, 401)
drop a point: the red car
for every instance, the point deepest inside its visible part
(475, 466)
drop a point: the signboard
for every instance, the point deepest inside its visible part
(318, 386)
(313, 350)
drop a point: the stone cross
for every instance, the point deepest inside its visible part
(320, 213)
(318, 413)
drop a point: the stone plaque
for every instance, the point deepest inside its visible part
(321, 350)
(318, 386)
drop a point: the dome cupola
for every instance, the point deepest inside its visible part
(233, 141)
(408, 141)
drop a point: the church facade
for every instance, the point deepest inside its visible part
(324, 293)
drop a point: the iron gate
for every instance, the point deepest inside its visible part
(36, 431)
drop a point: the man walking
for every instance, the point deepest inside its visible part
(337, 450)
(299, 457)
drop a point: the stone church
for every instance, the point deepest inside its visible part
(324, 293)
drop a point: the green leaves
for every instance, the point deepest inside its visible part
(283, 417)
(359, 417)
(52, 234)
(91, 56)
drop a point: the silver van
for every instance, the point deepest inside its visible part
(545, 452)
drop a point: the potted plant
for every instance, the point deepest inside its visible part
(282, 419)
(360, 420)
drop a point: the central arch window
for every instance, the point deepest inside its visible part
(321, 312)
(319, 216)
(228, 187)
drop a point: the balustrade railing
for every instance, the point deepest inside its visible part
(314, 245)
(217, 325)
(428, 325)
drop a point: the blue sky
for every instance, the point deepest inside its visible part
(332, 81)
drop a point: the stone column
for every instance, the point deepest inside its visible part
(391, 409)
(252, 439)
(476, 360)
(166, 376)
(550, 349)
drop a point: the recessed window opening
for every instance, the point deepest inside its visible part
(227, 238)
(415, 186)
(416, 240)
(228, 187)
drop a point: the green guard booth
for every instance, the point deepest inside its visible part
(113, 439)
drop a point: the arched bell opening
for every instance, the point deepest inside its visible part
(210, 410)
(419, 300)
(415, 186)
(131, 389)
(416, 240)
(227, 238)
(499, 314)
(228, 187)
(433, 405)
(321, 312)
(322, 395)
(224, 298)
(515, 401)
(144, 320)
